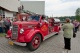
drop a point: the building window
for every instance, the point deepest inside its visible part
(2, 12)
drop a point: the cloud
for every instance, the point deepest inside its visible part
(60, 7)
(32, 0)
(63, 8)
(69, 0)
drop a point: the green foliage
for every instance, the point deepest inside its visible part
(78, 14)
(63, 18)
(78, 18)
(2, 34)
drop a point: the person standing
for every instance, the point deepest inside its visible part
(14, 19)
(67, 33)
(1, 24)
(44, 19)
(8, 19)
(6, 24)
(76, 24)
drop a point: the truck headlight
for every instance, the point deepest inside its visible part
(21, 30)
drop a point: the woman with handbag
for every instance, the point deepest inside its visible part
(67, 33)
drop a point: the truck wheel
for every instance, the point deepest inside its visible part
(35, 43)
(56, 33)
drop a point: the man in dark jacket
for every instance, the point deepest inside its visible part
(6, 24)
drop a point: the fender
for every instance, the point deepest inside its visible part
(28, 37)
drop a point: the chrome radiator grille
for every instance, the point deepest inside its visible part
(15, 32)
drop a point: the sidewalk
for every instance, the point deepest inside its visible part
(54, 44)
(75, 44)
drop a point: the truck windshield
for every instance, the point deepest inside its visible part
(33, 18)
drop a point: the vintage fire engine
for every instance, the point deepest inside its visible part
(32, 32)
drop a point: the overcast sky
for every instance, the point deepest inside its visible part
(60, 7)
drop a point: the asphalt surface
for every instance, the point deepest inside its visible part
(53, 44)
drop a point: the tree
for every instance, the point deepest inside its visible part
(78, 14)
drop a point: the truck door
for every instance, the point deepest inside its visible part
(44, 28)
(56, 27)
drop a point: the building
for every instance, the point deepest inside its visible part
(34, 6)
(9, 7)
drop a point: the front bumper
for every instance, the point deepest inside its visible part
(20, 44)
(11, 42)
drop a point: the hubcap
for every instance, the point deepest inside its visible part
(36, 42)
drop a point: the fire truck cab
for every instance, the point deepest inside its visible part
(32, 32)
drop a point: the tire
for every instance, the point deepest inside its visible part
(57, 34)
(35, 42)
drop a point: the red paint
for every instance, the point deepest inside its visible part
(9, 33)
(31, 28)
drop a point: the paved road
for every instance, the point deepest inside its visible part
(52, 45)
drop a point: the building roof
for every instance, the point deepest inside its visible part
(4, 9)
(10, 5)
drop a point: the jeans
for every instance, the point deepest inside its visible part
(1, 29)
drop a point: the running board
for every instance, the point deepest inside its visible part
(47, 36)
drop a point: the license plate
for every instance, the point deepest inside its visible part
(11, 42)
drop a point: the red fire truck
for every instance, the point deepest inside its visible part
(32, 32)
